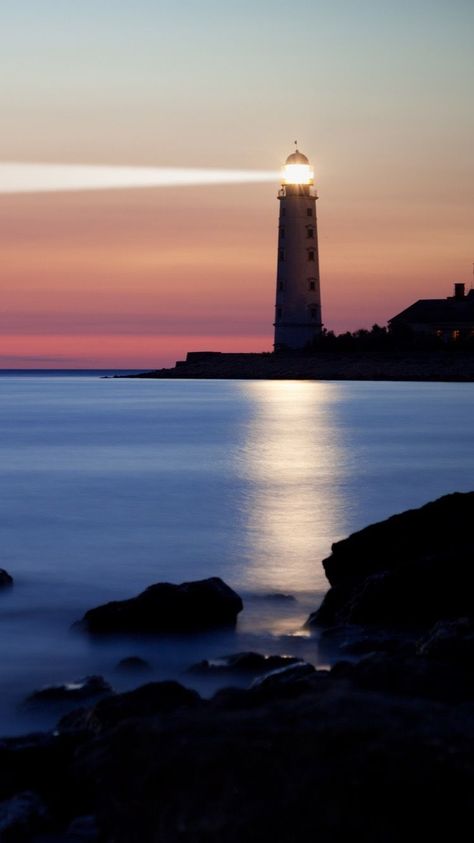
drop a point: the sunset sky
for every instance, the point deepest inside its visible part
(379, 95)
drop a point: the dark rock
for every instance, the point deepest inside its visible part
(21, 816)
(5, 578)
(335, 764)
(133, 663)
(83, 829)
(78, 722)
(441, 526)
(80, 689)
(369, 644)
(411, 677)
(234, 698)
(284, 676)
(246, 663)
(22, 760)
(163, 607)
(412, 569)
(41, 763)
(146, 701)
(451, 641)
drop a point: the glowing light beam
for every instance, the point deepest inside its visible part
(16, 177)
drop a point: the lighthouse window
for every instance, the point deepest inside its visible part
(282, 232)
(309, 212)
(313, 312)
(312, 285)
(281, 255)
(278, 312)
(281, 285)
(310, 232)
(311, 255)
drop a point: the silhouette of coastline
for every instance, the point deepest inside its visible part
(420, 365)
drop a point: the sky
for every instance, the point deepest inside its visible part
(378, 94)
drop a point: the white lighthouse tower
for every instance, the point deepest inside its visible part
(298, 296)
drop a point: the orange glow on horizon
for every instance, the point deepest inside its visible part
(152, 351)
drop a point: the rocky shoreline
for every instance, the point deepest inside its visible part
(444, 365)
(379, 748)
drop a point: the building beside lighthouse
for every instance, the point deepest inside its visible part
(298, 297)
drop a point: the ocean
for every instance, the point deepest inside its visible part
(110, 485)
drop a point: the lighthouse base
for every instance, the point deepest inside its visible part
(295, 336)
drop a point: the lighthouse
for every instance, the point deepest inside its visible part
(298, 297)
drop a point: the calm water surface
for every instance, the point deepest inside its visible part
(110, 485)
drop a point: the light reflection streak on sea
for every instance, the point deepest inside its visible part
(291, 460)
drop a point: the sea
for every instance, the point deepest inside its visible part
(109, 485)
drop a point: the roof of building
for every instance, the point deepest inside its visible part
(434, 311)
(297, 157)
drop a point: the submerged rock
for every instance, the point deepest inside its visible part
(247, 663)
(5, 578)
(411, 569)
(164, 607)
(80, 689)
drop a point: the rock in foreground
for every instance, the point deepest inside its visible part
(412, 569)
(332, 763)
(146, 701)
(21, 816)
(164, 607)
(371, 752)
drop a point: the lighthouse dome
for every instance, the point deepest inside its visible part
(297, 169)
(297, 157)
